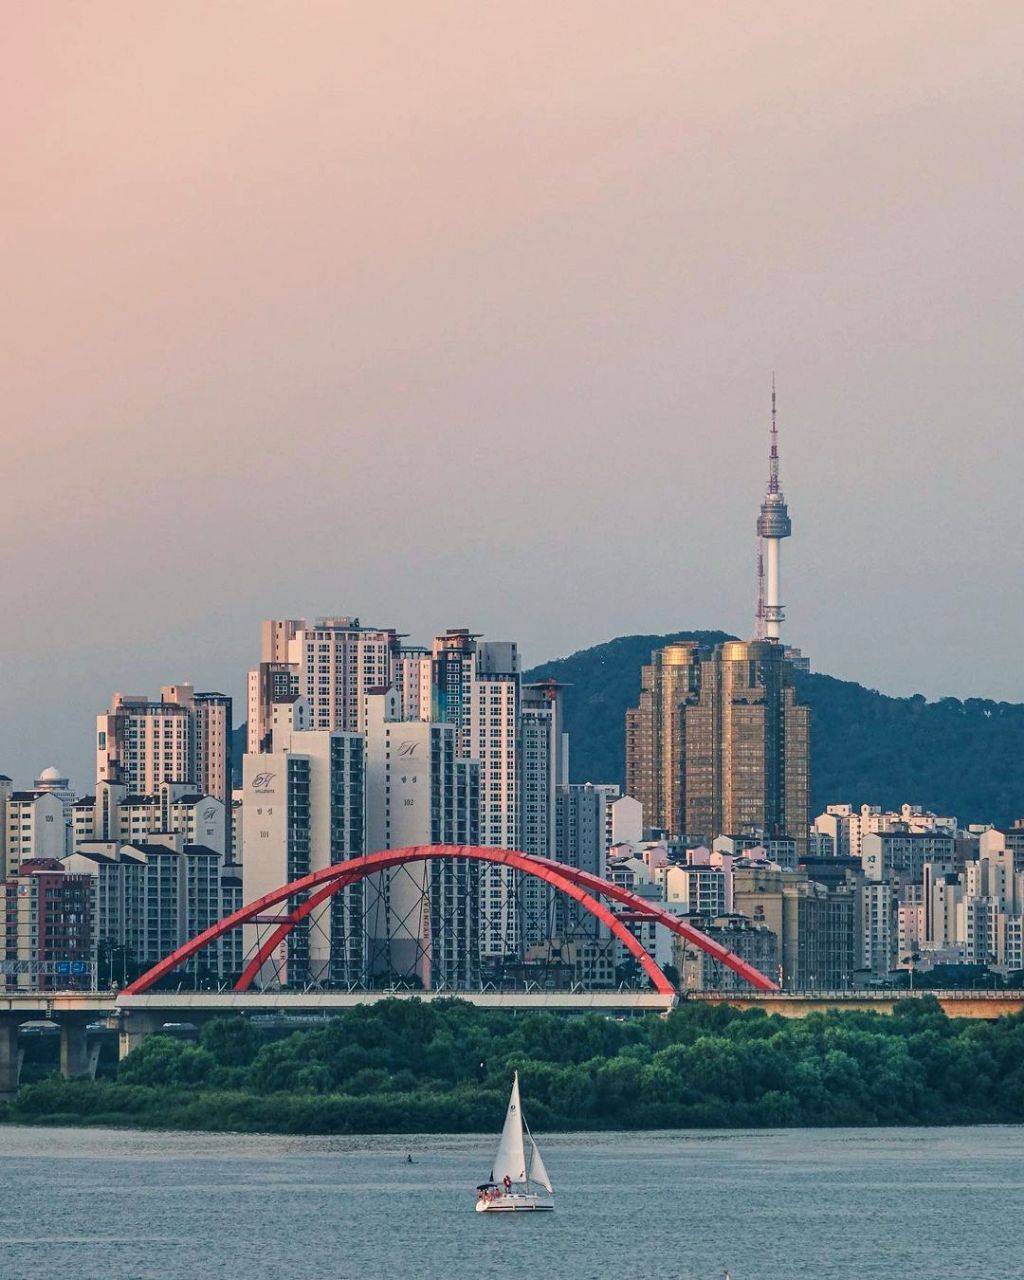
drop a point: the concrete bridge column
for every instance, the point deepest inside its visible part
(10, 1057)
(74, 1049)
(134, 1027)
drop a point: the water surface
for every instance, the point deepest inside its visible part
(930, 1204)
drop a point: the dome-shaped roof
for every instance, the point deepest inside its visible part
(51, 775)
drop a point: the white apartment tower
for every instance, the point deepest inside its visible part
(34, 828)
(57, 783)
(476, 689)
(423, 918)
(304, 806)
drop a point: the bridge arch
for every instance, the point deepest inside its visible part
(585, 888)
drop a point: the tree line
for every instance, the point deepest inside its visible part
(405, 1066)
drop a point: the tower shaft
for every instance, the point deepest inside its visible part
(773, 524)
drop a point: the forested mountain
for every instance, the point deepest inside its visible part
(963, 758)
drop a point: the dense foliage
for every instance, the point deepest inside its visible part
(406, 1066)
(954, 757)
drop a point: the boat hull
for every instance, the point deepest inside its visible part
(515, 1204)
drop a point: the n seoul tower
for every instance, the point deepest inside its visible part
(773, 524)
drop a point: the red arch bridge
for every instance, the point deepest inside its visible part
(299, 903)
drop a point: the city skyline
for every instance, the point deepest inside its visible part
(345, 268)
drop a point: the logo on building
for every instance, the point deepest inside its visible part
(407, 748)
(263, 783)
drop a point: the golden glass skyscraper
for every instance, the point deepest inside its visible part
(718, 743)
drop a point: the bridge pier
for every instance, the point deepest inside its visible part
(10, 1057)
(133, 1027)
(75, 1059)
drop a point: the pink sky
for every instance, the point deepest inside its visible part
(464, 314)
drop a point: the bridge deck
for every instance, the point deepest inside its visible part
(177, 1004)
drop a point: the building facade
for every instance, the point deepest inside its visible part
(305, 810)
(719, 744)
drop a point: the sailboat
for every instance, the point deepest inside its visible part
(517, 1185)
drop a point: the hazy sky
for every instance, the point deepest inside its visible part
(464, 314)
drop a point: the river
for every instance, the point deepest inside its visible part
(854, 1204)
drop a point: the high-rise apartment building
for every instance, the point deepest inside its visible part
(149, 897)
(176, 809)
(58, 784)
(477, 689)
(840, 830)
(544, 770)
(423, 918)
(211, 715)
(183, 737)
(304, 807)
(412, 677)
(718, 744)
(582, 841)
(796, 909)
(332, 664)
(34, 829)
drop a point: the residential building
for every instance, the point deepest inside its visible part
(423, 918)
(879, 927)
(903, 854)
(796, 910)
(175, 809)
(304, 805)
(697, 889)
(544, 772)
(150, 897)
(57, 783)
(756, 944)
(332, 663)
(477, 689)
(182, 737)
(46, 928)
(627, 821)
(34, 829)
(581, 841)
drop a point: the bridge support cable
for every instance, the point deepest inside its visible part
(590, 904)
(583, 887)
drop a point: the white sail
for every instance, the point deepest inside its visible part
(510, 1161)
(538, 1173)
